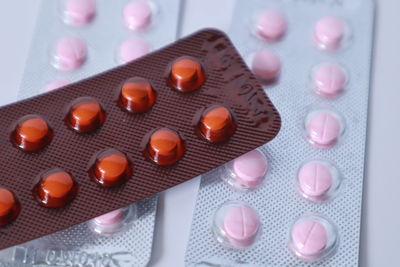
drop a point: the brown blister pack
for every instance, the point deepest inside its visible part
(126, 134)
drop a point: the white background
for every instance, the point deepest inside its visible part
(380, 240)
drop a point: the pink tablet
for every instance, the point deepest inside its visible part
(113, 217)
(78, 12)
(329, 80)
(323, 128)
(236, 224)
(241, 224)
(266, 65)
(249, 169)
(70, 53)
(329, 33)
(313, 237)
(137, 15)
(113, 222)
(309, 238)
(271, 25)
(315, 179)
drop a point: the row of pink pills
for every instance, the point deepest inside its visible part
(329, 32)
(317, 180)
(236, 224)
(137, 16)
(312, 236)
(70, 53)
(323, 127)
(327, 80)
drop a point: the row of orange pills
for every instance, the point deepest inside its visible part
(164, 146)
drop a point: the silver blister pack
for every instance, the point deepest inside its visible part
(85, 245)
(302, 205)
(73, 40)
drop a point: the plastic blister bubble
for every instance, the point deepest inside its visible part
(236, 225)
(329, 79)
(324, 127)
(318, 180)
(246, 172)
(313, 237)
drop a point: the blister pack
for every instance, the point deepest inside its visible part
(124, 135)
(75, 39)
(297, 200)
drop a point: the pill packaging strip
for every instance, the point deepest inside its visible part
(284, 212)
(142, 141)
(85, 244)
(104, 32)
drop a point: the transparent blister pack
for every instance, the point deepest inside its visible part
(75, 39)
(296, 201)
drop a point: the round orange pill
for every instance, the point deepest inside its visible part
(165, 147)
(217, 124)
(111, 168)
(85, 115)
(9, 206)
(186, 74)
(137, 95)
(55, 188)
(31, 133)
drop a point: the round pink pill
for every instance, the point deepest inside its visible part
(309, 238)
(132, 49)
(241, 224)
(315, 179)
(70, 54)
(78, 12)
(137, 15)
(329, 32)
(110, 218)
(271, 25)
(323, 128)
(266, 65)
(55, 85)
(250, 169)
(329, 80)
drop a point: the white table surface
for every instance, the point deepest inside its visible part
(380, 240)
